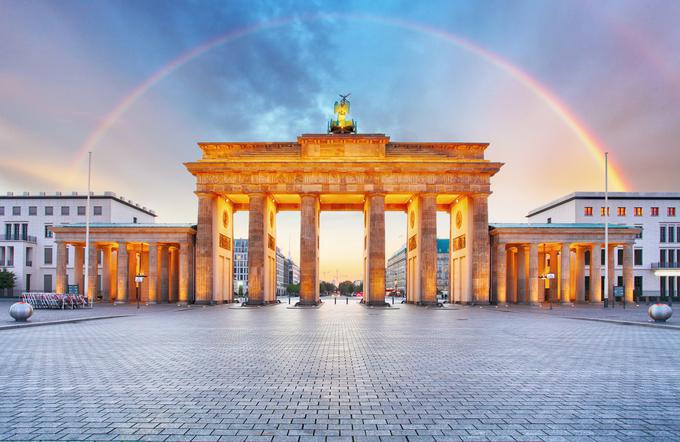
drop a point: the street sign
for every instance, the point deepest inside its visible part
(619, 291)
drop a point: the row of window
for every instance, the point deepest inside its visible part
(669, 285)
(669, 233)
(621, 211)
(49, 210)
(637, 257)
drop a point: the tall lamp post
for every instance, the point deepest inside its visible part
(139, 277)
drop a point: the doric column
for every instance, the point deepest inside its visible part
(92, 276)
(152, 276)
(611, 272)
(122, 267)
(428, 251)
(533, 274)
(480, 248)
(512, 275)
(173, 274)
(164, 284)
(596, 273)
(106, 273)
(579, 273)
(78, 255)
(256, 248)
(628, 280)
(522, 274)
(500, 263)
(309, 249)
(374, 251)
(205, 272)
(62, 253)
(184, 263)
(565, 276)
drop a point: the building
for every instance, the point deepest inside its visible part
(287, 271)
(396, 268)
(656, 214)
(551, 262)
(27, 246)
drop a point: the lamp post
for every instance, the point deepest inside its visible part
(395, 289)
(139, 278)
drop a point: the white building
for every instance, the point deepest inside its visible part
(657, 213)
(27, 245)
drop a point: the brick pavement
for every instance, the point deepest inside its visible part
(340, 372)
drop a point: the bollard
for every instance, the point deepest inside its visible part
(346, 299)
(335, 300)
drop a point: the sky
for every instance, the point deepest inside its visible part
(550, 85)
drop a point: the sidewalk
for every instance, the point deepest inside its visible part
(98, 311)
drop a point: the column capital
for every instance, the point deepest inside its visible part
(203, 194)
(374, 194)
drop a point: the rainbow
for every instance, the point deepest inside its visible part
(594, 147)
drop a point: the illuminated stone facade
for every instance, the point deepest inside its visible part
(354, 172)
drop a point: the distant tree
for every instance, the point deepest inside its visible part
(359, 288)
(7, 279)
(346, 287)
(293, 288)
(240, 291)
(326, 287)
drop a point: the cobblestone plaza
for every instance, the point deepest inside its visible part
(344, 372)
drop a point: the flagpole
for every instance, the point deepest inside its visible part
(606, 229)
(87, 233)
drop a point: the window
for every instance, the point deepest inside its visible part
(32, 210)
(602, 211)
(662, 285)
(619, 257)
(677, 235)
(639, 235)
(49, 210)
(587, 211)
(48, 232)
(662, 257)
(671, 234)
(655, 211)
(638, 211)
(81, 210)
(621, 211)
(16, 211)
(48, 256)
(586, 258)
(602, 257)
(637, 257)
(671, 211)
(134, 220)
(662, 234)
(97, 210)
(47, 283)
(2, 211)
(65, 210)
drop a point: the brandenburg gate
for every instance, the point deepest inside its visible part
(343, 171)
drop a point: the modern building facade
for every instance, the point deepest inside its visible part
(395, 272)
(287, 271)
(656, 249)
(27, 245)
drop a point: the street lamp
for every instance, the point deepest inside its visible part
(139, 278)
(395, 289)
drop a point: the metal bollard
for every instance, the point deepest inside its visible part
(346, 299)
(335, 300)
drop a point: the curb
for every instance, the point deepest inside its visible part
(61, 321)
(620, 322)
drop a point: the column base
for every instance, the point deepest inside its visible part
(429, 304)
(377, 304)
(308, 303)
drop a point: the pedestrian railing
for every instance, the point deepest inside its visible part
(40, 300)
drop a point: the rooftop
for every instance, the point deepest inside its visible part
(600, 195)
(128, 225)
(557, 226)
(78, 195)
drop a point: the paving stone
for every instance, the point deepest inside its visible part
(341, 372)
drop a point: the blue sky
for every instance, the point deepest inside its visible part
(64, 65)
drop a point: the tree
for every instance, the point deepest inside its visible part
(7, 279)
(346, 287)
(293, 289)
(240, 291)
(326, 287)
(359, 288)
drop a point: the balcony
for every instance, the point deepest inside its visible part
(26, 238)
